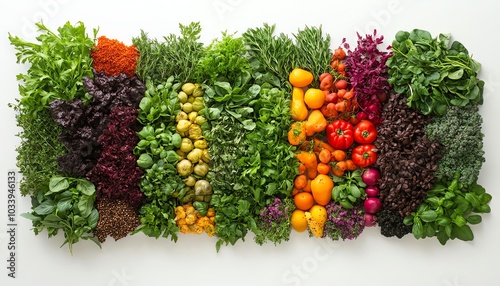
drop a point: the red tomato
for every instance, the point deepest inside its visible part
(339, 134)
(365, 132)
(364, 155)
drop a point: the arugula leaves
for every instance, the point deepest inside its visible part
(68, 205)
(57, 64)
(432, 73)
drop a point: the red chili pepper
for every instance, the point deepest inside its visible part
(365, 132)
(339, 134)
(364, 155)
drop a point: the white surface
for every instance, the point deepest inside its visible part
(370, 260)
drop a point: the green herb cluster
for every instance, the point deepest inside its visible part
(157, 157)
(459, 130)
(57, 64)
(252, 161)
(38, 152)
(349, 189)
(68, 206)
(54, 72)
(176, 56)
(268, 52)
(433, 74)
(448, 210)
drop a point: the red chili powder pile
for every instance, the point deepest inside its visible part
(113, 57)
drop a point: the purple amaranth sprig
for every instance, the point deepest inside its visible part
(368, 74)
(273, 222)
(343, 223)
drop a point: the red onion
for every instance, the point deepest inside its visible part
(370, 176)
(372, 205)
(372, 191)
(370, 219)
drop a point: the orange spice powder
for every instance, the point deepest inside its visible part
(113, 57)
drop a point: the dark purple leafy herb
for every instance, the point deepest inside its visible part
(407, 158)
(116, 174)
(391, 224)
(111, 91)
(368, 73)
(84, 124)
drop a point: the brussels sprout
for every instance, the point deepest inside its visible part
(181, 154)
(205, 157)
(198, 91)
(200, 120)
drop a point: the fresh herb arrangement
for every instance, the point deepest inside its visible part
(260, 134)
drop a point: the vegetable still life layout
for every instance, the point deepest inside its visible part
(261, 133)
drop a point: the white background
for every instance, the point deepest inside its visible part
(370, 260)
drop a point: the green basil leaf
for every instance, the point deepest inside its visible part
(463, 233)
(31, 216)
(64, 204)
(429, 230)
(57, 184)
(355, 192)
(418, 228)
(85, 187)
(459, 220)
(93, 218)
(85, 205)
(474, 219)
(408, 220)
(45, 208)
(442, 237)
(428, 216)
(443, 221)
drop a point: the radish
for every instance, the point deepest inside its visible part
(370, 219)
(372, 191)
(372, 205)
(370, 176)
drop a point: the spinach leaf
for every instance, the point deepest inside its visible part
(432, 74)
